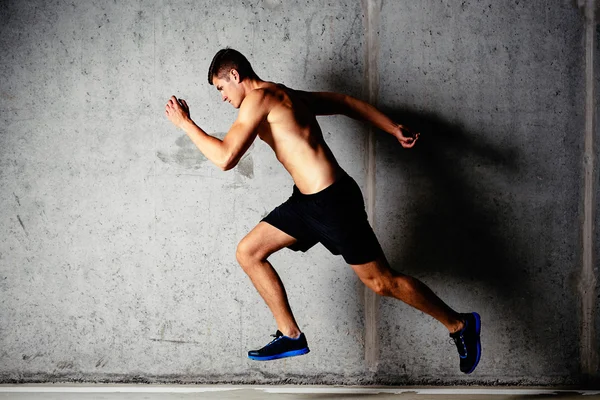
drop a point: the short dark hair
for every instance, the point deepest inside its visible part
(227, 59)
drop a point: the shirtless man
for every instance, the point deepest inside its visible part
(326, 205)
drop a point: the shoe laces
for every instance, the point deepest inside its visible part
(278, 335)
(459, 341)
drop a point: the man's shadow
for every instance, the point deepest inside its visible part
(456, 226)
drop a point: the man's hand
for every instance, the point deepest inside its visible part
(406, 137)
(177, 111)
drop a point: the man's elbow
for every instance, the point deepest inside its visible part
(227, 163)
(226, 167)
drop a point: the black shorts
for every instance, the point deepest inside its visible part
(335, 217)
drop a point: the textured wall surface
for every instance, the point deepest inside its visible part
(118, 237)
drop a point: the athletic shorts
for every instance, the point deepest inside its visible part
(334, 217)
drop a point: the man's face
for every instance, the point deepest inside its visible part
(230, 88)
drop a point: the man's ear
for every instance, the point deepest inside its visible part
(234, 75)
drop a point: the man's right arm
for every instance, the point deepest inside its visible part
(330, 103)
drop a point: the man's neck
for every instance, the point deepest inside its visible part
(251, 84)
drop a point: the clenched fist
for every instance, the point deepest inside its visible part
(177, 111)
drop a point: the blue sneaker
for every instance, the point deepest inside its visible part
(280, 347)
(468, 342)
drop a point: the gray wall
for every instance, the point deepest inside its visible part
(117, 237)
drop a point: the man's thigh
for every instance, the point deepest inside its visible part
(265, 240)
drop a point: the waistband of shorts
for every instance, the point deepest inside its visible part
(343, 178)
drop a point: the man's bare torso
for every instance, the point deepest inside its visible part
(293, 133)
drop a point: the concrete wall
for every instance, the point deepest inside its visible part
(117, 237)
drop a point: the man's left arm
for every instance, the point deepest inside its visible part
(224, 153)
(329, 103)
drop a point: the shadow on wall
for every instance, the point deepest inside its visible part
(457, 226)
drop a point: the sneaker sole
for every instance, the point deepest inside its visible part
(478, 331)
(291, 353)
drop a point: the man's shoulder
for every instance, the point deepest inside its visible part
(266, 96)
(255, 98)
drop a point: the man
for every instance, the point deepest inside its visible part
(326, 205)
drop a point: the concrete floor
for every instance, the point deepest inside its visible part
(112, 392)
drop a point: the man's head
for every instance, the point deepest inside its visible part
(228, 69)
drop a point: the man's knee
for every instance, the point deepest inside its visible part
(389, 285)
(380, 285)
(248, 253)
(243, 253)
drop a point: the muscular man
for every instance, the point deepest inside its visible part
(326, 205)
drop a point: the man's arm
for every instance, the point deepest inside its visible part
(329, 103)
(224, 153)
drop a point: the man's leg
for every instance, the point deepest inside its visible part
(252, 254)
(464, 328)
(383, 280)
